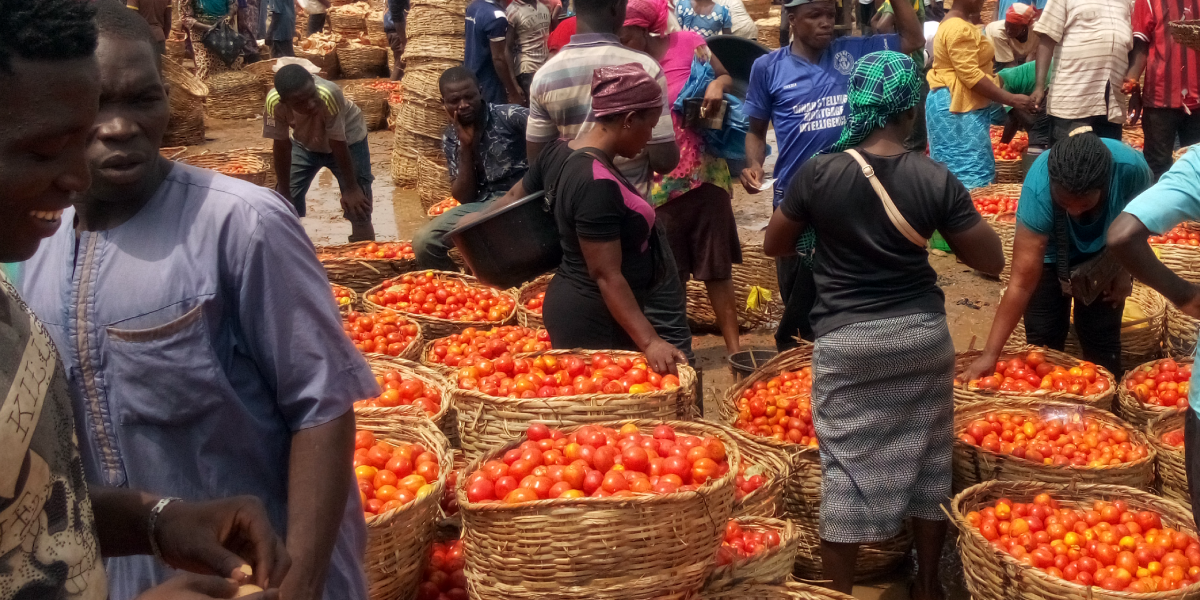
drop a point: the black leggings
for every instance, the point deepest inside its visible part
(1048, 317)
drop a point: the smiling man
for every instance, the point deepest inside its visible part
(204, 354)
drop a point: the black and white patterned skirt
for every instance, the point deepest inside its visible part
(883, 410)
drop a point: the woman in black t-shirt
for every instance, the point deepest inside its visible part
(883, 361)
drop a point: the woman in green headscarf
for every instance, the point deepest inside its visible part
(883, 361)
(197, 17)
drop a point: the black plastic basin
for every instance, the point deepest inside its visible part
(512, 245)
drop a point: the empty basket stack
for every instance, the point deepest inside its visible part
(187, 95)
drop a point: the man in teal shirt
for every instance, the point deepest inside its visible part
(1174, 199)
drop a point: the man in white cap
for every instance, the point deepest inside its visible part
(1013, 38)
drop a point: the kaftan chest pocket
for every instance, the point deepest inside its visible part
(165, 375)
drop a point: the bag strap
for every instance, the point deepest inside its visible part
(889, 207)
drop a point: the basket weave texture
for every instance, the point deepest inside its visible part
(398, 542)
(1008, 171)
(1132, 409)
(431, 20)
(219, 161)
(639, 548)
(792, 590)
(360, 274)
(964, 395)
(1172, 464)
(186, 96)
(1180, 333)
(326, 61)
(435, 327)
(529, 291)
(755, 272)
(445, 47)
(433, 179)
(423, 120)
(444, 419)
(993, 574)
(371, 101)
(768, 500)
(773, 565)
(485, 422)
(974, 464)
(358, 61)
(235, 95)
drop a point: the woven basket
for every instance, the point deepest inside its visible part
(993, 574)
(1008, 171)
(1172, 463)
(345, 308)
(973, 464)
(526, 317)
(768, 32)
(445, 417)
(1005, 225)
(768, 500)
(1133, 135)
(406, 148)
(755, 272)
(773, 565)
(802, 491)
(420, 82)
(234, 95)
(264, 70)
(423, 120)
(426, 358)
(647, 546)
(445, 47)
(176, 48)
(371, 101)
(987, 13)
(792, 590)
(485, 422)
(1132, 410)
(172, 152)
(327, 62)
(393, 112)
(429, 20)
(433, 179)
(434, 327)
(187, 93)
(1181, 333)
(1183, 260)
(220, 160)
(375, 24)
(1186, 33)
(398, 541)
(412, 352)
(266, 155)
(347, 20)
(361, 274)
(362, 62)
(962, 395)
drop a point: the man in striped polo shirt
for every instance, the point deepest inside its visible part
(315, 126)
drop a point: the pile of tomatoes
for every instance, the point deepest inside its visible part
(391, 476)
(534, 304)
(385, 332)
(1164, 383)
(1011, 150)
(748, 479)
(994, 205)
(1071, 441)
(376, 250)
(443, 206)
(598, 462)
(1173, 438)
(487, 343)
(402, 389)
(555, 375)
(343, 296)
(1110, 546)
(444, 578)
(1179, 235)
(740, 544)
(780, 408)
(428, 294)
(1033, 372)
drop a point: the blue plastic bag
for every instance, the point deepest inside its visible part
(729, 142)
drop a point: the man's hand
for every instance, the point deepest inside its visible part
(1022, 102)
(1135, 105)
(189, 586)
(663, 357)
(1036, 98)
(187, 22)
(466, 133)
(355, 205)
(1120, 289)
(982, 367)
(752, 178)
(219, 536)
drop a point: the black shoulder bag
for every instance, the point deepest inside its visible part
(1090, 278)
(223, 41)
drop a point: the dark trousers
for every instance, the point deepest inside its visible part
(280, 47)
(1191, 454)
(865, 13)
(316, 23)
(397, 41)
(799, 293)
(1161, 125)
(525, 80)
(1098, 325)
(1100, 125)
(306, 164)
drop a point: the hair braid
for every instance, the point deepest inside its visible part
(45, 30)
(1080, 163)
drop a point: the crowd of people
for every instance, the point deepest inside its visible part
(178, 386)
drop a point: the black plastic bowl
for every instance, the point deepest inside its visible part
(512, 245)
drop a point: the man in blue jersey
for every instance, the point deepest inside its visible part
(801, 90)
(486, 53)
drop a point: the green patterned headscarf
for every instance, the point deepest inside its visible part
(883, 83)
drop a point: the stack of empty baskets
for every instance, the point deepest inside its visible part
(435, 43)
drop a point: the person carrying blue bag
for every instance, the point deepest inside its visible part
(694, 201)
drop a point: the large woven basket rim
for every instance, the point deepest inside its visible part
(445, 369)
(340, 248)
(404, 425)
(789, 534)
(1059, 358)
(1165, 423)
(448, 275)
(1126, 399)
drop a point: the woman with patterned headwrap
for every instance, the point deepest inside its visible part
(885, 431)
(695, 201)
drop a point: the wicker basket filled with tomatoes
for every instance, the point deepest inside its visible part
(1008, 156)
(1165, 431)
(1033, 540)
(791, 590)
(530, 299)
(1070, 379)
(1143, 326)
(447, 354)
(385, 332)
(408, 388)
(1154, 388)
(498, 399)
(996, 199)
(1179, 250)
(754, 550)
(1180, 337)
(438, 208)
(401, 461)
(443, 303)
(761, 478)
(785, 385)
(596, 524)
(1054, 442)
(1005, 224)
(360, 265)
(345, 298)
